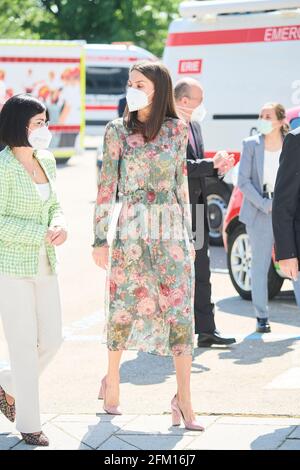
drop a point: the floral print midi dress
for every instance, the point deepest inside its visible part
(150, 279)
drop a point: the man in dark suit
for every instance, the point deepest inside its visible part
(121, 106)
(189, 98)
(286, 206)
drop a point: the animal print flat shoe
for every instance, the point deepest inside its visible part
(8, 410)
(39, 439)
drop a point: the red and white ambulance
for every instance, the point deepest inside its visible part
(107, 68)
(52, 71)
(245, 53)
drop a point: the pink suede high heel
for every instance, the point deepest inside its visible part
(111, 410)
(177, 415)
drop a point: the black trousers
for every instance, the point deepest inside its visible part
(203, 307)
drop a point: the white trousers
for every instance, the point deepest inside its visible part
(31, 315)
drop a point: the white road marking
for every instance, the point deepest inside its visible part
(72, 331)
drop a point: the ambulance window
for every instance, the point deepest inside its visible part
(106, 80)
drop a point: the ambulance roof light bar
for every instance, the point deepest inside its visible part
(193, 8)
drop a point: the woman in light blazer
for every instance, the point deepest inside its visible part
(31, 225)
(257, 174)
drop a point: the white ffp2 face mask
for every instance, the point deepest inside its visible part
(137, 99)
(40, 138)
(199, 113)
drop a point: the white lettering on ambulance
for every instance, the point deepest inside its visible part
(190, 66)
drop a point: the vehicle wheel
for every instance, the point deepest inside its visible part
(274, 282)
(218, 196)
(239, 259)
(62, 161)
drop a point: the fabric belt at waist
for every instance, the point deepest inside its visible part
(268, 195)
(149, 196)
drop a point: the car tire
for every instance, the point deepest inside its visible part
(62, 161)
(239, 265)
(274, 282)
(218, 195)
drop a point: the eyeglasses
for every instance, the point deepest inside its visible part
(40, 124)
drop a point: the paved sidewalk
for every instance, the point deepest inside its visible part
(153, 432)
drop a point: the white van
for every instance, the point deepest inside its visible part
(245, 53)
(107, 68)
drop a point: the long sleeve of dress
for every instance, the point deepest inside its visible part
(182, 188)
(107, 189)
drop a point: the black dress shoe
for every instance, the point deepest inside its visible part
(208, 339)
(263, 325)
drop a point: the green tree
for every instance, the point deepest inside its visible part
(26, 19)
(99, 21)
(104, 21)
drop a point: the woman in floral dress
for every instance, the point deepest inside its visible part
(150, 279)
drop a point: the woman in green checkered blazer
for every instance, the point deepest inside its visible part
(31, 225)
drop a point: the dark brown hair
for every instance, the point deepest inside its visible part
(163, 104)
(281, 116)
(15, 116)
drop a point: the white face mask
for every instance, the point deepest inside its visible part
(137, 99)
(199, 113)
(40, 138)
